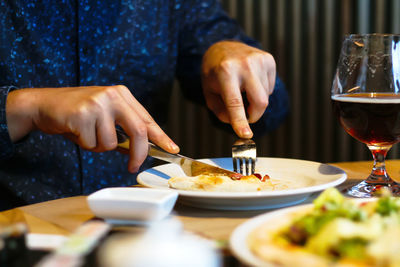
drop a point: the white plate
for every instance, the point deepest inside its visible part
(271, 222)
(305, 177)
(238, 241)
(130, 204)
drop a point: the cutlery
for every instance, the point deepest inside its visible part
(244, 154)
(189, 166)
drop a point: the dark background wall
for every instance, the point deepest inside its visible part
(305, 37)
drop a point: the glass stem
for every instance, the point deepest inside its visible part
(379, 174)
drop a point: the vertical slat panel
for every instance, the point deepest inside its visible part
(395, 10)
(248, 13)
(362, 16)
(311, 82)
(328, 63)
(395, 28)
(346, 15)
(232, 8)
(380, 14)
(263, 7)
(281, 141)
(295, 77)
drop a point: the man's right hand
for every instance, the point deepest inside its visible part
(87, 116)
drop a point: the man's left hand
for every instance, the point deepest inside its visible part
(231, 69)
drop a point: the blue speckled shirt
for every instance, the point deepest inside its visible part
(143, 44)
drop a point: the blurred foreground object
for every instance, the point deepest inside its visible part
(163, 244)
(12, 244)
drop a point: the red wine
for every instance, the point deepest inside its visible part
(372, 118)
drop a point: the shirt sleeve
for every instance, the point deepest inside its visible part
(205, 22)
(6, 145)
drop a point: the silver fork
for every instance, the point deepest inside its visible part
(244, 156)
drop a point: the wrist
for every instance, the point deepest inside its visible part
(19, 110)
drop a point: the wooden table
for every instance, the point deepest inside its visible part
(63, 216)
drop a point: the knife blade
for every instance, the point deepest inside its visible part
(189, 166)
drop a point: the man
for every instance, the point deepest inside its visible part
(71, 71)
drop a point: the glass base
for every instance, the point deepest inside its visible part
(366, 190)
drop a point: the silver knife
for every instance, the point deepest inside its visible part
(189, 166)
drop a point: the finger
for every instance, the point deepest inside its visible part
(106, 134)
(86, 135)
(256, 96)
(217, 106)
(158, 136)
(129, 115)
(138, 150)
(138, 143)
(271, 81)
(268, 70)
(232, 98)
(135, 128)
(154, 131)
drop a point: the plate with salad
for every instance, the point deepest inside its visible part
(332, 231)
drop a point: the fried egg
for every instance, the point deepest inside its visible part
(222, 183)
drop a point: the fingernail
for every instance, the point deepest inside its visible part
(133, 169)
(246, 132)
(173, 146)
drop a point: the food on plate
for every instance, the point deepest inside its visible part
(335, 231)
(222, 183)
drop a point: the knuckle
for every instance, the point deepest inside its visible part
(110, 90)
(110, 145)
(87, 144)
(121, 87)
(92, 104)
(248, 61)
(239, 122)
(262, 102)
(83, 112)
(234, 102)
(150, 123)
(269, 60)
(256, 59)
(141, 130)
(97, 149)
(227, 66)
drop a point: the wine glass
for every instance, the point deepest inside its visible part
(366, 99)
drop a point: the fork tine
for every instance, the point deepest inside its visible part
(234, 162)
(244, 153)
(247, 160)
(241, 163)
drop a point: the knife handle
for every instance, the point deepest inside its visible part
(154, 151)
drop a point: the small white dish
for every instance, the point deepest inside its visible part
(44, 241)
(130, 204)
